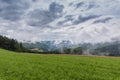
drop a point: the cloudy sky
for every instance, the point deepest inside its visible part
(75, 20)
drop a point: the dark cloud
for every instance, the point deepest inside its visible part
(34, 0)
(40, 18)
(91, 5)
(84, 19)
(70, 4)
(102, 20)
(80, 19)
(56, 9)
(12, 9)
(78, 5)
(67, 18)
(62, 22)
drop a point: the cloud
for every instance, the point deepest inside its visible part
(102, 20)
(82, 19)
(37, 20)
(78, 5)
(12, 9)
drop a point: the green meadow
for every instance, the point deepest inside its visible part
(24, 66)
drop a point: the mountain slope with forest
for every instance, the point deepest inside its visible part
(11, 44)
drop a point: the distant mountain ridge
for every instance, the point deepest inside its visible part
(67, 47)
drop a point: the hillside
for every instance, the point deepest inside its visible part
(15, 66)
(11, 44)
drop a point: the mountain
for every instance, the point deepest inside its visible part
(107, 49)
(48, 46)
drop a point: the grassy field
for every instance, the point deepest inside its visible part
(21, 66)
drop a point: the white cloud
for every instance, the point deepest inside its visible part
(16, 26)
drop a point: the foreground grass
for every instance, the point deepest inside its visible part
(20, 66)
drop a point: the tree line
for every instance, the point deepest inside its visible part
(11, 44)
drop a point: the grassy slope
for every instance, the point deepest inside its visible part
(55, 67)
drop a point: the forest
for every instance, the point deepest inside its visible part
(11, 44)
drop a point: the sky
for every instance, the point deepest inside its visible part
(74, 20)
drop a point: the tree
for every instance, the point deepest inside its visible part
(11, 44)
